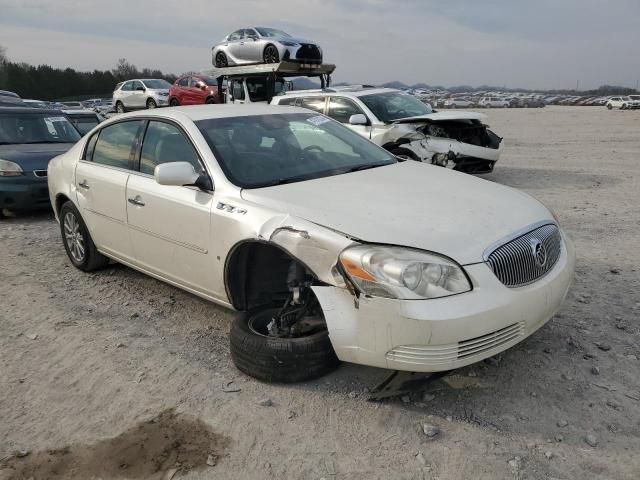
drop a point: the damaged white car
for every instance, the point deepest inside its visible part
(407, 127)
(329, 247)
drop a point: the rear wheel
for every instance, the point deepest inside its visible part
(77, 242)
(257, 351)
(271, 54)
(221, 60)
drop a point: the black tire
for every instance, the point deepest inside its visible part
(221, 60)
(403, 153)
(120, 107)
(151, 104)
(90, 259)
(609, 106)
(174, 102)
(210, 100)
(270, 54)
(284, 360)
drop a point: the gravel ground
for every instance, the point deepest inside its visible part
(116, 375)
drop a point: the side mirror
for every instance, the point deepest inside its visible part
(253, 37)
(175, 173)
(140, 89)
(358, 119)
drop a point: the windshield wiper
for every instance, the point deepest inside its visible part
(359, 168)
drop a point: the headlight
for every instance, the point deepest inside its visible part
(290, 44)
(9, 169)
(403, 273)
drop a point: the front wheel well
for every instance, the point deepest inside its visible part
(261, 273)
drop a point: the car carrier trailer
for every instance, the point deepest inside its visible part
(260, 83)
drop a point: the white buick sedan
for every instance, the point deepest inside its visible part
(328, 246)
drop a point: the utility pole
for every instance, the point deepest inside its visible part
(637, 86)
(577, 85)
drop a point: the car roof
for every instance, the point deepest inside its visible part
(356, 92)
(83, 111)
(205, 112)
(29, 110)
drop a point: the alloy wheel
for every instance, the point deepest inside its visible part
(74, 238)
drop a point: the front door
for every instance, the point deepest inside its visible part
(341, 109)
(170, 226)
(101, 181)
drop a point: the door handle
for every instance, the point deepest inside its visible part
(136, 201)
(84, 185)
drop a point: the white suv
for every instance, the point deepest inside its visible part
(407, 127)
(493, 102)
(141, 93)
(623, 103)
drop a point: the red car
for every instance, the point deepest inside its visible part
(193, 90)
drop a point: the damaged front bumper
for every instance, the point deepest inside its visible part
(445, 333)
(450, 153)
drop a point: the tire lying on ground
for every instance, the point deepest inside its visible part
(276, 359)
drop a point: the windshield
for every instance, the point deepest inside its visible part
(264, 150)
(392, 106)
(157, 84)
(84, 123)
(271, 32)
(17, 128)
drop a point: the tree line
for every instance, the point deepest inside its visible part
(43, 82)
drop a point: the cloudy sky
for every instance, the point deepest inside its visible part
(541, 44)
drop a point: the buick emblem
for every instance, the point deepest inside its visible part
(539, 252)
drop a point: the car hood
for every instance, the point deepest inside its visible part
(295, 39)
(444, 116)
(34, 156)
(410, 204)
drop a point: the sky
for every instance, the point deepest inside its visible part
(539, 44)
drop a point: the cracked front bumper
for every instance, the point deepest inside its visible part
(445, 333)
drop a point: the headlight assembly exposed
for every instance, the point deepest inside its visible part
(403, 273)
(9, 169)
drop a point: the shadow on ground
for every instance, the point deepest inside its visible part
(155, 449)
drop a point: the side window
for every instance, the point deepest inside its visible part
(115, 143)
(183, 82)
(237, 35)
(312, 103)
(341, 109)
(164, 143)
(250, 32)
(127, 87)
(137, 85)
(257, 88)
(91, 145)
(237, 90)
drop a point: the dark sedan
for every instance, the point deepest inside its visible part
(29, 138)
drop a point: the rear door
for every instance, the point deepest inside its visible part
(182, 90)
(170, 225)
(101, 181)
(138, 96)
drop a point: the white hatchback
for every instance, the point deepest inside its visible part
(328, 246)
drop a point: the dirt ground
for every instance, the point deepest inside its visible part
(116, 375)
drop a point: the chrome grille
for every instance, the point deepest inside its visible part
(526, 258)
